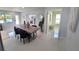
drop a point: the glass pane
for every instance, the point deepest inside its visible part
(8, 18)
(1, 21)
(58, 16)
(1, 18)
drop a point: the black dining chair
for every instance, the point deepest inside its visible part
(24, 34)
(16, 30)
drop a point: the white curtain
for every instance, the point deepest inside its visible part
(74, 18)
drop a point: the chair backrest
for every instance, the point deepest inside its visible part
(24, 34)
(16, 30)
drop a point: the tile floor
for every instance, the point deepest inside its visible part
(42, 43)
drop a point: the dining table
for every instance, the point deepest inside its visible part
(31, 29)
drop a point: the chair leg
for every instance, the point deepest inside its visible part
(23, 41)
(28, 39)
(15, 35)
(33, 36)
(20, 39)
(18, 36)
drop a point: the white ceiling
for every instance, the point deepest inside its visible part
(21, 9)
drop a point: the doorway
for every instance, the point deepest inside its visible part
(53, 19)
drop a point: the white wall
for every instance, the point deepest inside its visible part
(64, 21)
(72, 38)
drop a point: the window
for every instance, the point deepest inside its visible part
(5, 17)
(1, 18)
(58, 16)
(8, 18)
(1, 21)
